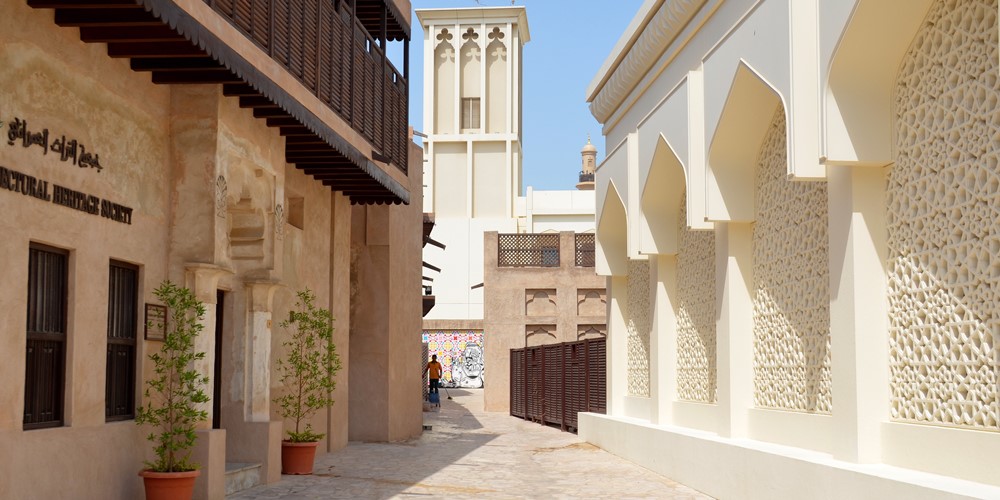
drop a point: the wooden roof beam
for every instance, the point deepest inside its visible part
(79, 18)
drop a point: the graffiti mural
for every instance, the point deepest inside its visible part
(461, 355)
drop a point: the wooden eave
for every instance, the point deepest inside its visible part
(161, 38)
(370, 13)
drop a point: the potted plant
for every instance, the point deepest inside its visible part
(307, 372)
(174, 398)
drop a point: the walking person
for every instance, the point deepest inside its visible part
(435, 370)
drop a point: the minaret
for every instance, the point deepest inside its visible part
(589, 157)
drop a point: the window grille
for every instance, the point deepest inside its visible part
(528, 250)
(470, 113)
(584, 249)
(45, 363)
(123, 290)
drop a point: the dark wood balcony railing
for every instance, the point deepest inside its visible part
(324, 45)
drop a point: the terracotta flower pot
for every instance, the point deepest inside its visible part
(169, 485)
(297, 458)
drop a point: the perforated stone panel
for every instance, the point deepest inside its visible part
(943, 213)
(638, 328)
(791, 298)
(696, 359)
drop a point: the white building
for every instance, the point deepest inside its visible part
(798, 221)
(472, 118)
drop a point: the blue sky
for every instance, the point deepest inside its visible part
(570, 39)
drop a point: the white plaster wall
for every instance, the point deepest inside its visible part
(489, 197)
(461, 265)
(751, 470)
(732, 449)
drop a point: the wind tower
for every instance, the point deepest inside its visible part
(472, 118)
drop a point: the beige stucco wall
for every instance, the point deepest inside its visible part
(200, 174)
(519, 299)
(385, 388)
(54, 81)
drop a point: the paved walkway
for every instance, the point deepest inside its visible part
(473, 454)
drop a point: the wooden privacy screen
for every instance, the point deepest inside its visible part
(550, 384)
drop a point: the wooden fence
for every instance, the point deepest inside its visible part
(550, 384)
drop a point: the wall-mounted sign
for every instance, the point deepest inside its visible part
(156, 322)
(27, 185)
(18, 132)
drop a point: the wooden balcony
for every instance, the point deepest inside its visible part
(327, 45)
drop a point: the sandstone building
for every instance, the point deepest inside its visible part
(247, 150)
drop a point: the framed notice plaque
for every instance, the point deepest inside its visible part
(156, 322)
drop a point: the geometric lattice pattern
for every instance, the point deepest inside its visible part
(943, 198)
(696, 359)
(638, 327)
(791, 297)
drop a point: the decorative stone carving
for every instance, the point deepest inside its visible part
(584, 332)
(246, 231)
(470, 35)
(591, 302)
(444, 36)
(638, 328)
(791, 284)
(665, 25)
(221, 191)
(279, 222)
(696, 336)
(539, 334)
(943, 195)
(540, 302)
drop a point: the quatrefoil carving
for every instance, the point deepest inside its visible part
(470, 35)
(444, 36)
(496, 34)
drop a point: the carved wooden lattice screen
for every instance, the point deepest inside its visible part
(584, 249)
(528, 250)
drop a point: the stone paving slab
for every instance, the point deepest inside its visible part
(472, 454)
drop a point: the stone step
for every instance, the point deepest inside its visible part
(241, 476)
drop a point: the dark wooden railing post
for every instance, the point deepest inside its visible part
(354, 41)
(382, 76)
(270, 28)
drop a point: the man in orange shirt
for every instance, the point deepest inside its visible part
(435, 370)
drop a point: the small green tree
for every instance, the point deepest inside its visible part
(175, 392)
(309, 367)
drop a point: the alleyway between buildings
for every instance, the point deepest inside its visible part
(472, 454)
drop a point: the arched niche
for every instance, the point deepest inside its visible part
(612, 238)
(733, 149)
(660, 201)
(496, 82)
(444, 83)
(859, 89)
(471, 62)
